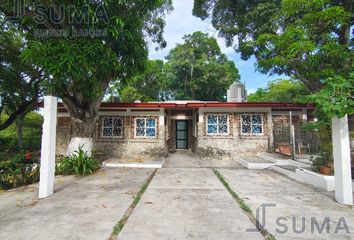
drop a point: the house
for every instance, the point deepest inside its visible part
(136, 131)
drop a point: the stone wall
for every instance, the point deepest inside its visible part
(63, 135)
(233, 144)
(128, 148)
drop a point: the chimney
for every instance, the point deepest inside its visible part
(237, 92)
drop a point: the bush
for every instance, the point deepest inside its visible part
(324, 160)
(20, 170)
(79, 163)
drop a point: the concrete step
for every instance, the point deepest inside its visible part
(113, 163)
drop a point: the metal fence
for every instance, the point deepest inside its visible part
(305, 142)
(12, 144)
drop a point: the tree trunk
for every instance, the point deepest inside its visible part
(191, 89)
(19, 128)
(83, 115)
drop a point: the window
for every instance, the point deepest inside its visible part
(145, 127)
(217, 124)
(112, 127)
(251, 124)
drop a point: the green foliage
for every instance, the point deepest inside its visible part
(323, 160)
(337, 97)
(197, 69)
(32, 131)
(309, 40)
(79, 163)
(149, 85)
(19, 82)
(324, 130)
(130, 94)
(281, 90)
(20, 170)
(79, 69)
(76, 66)
(32, 126)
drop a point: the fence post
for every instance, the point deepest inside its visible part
(341, 157)
(47, 171)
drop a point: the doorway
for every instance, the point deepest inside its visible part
(181, 134)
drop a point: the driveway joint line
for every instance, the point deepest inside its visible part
(120, 225)
(243, 205)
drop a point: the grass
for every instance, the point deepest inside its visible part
(271, 237)
(119, 226)
(243, 205)
(240, 201)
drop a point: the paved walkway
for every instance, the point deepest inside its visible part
(85, 208)
(294, 202)
(187, 203)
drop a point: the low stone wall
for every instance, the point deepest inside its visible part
(127, 148)
(234, 144)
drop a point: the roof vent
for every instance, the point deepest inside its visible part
(237, 92)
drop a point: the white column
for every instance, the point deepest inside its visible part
(47, 171)
(162, 117)
(341, 156)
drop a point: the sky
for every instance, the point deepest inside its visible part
(181, 22)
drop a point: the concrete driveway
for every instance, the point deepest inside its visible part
(296, 206)
(187, 203)
(82, 208)
(185, 200)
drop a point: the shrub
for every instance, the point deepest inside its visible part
(19, 170)
(79, 163)
(324, 160)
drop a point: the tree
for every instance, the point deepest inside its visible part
(129, 94)
(81, 66)
(309, 40)
(197, 69)
(280, 90)
(31, 133)
(20, 83)
(149, 85)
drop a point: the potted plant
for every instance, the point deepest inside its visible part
(322, 164)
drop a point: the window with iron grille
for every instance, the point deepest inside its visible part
(145, 127)
(112, 127)
(251, 124)
(217, 124)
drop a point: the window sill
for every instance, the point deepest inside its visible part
(254, 136)
(219, 136)
(110, 139)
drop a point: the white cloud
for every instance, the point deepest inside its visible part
(251, 90)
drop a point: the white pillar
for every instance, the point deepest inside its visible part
(341, 156)
(162, 117)
(47, 171)
(271, 135)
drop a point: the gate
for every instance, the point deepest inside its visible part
(306, 142)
